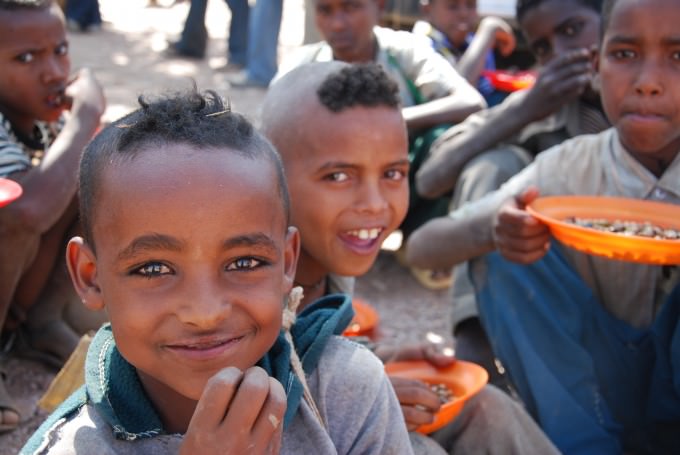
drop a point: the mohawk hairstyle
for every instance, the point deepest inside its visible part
(523, 6)
(199, 120)
(362, 84)
(10, 5)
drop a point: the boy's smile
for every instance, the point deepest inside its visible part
(35, 66)
(348, 186)
(639, 66)
(193, 263)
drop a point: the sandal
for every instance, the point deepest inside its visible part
(6, 404)
(433, 279)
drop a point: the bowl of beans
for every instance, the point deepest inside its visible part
(632, 230)
(454, 385)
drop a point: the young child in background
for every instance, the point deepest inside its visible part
(433, 95)
(344, 149)
(39, 148)
(590, 343)
(456, 33)
(187, 247)
(477, 156)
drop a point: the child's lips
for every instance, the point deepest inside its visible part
(204, 348)
(362, 240)
(56, 99)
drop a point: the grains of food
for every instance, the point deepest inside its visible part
(630, 228)
(444, 393)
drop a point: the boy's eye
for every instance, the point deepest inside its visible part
(26, 57)
(337, 177)
(675, 55)
(153, 269)
(62, 49)
(622, 54)
(246, 263)
(395, 174)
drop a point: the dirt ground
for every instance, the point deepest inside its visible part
(127, 59)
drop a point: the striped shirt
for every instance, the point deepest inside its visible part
(19, 152)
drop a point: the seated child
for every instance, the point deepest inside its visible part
(433, 95)
(450, 25)
(347, 171)
(187, 247)
(39, 148)
(477, 156)
(590, 343)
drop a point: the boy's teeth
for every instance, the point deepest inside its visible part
(366, 234)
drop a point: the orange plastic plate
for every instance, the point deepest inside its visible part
(9, 191)
(464, 379)
(365, 319)
(507, 81)
(553, 210)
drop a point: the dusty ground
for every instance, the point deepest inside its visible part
(127, 58)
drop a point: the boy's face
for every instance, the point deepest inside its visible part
(454, 18)
(639, 71)
(35, 65)
(348, 185)
(347, 26)
(557, 26)
(193, 264)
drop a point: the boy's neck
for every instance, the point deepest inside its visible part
(312, 277)
(174, 410)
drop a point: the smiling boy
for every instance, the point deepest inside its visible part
(188, 249)
(39, 149)
(591, 343)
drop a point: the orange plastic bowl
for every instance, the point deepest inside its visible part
(365, 319)
(553, 210)
(464, 379)
(507, 81)
(9, 191)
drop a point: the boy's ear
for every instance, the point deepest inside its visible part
(595, 60)
(291, 254)
(82, 266)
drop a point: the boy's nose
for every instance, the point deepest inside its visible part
(648, 81)
(204, 307)
(54, 70)
(371, 199)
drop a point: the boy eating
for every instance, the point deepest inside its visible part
(39, 148)
(344, 149)
(590, 343)
(187, 248)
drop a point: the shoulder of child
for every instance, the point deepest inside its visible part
(363, 414)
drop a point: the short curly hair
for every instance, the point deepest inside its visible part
(200, 120)
(358, 85)
(524, 6)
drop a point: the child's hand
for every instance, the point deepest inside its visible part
(438, 354)
(519, 236)
(85, 96)
(504, 37)
(237, 413)
(561, 81)
(418, 402)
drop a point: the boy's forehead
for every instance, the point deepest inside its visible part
(625, 20)
(12, 22)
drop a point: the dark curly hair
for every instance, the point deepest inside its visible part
(24, 4)
(523, 6)
(361, 84)
(200, 120)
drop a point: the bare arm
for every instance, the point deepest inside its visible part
(563, 80)
(444, 242)
(452, 108)
(50, 187)
(492, 32)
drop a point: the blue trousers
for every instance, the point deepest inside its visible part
(595, 384)
(194, 37)
(263, 40)
(84, 12)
